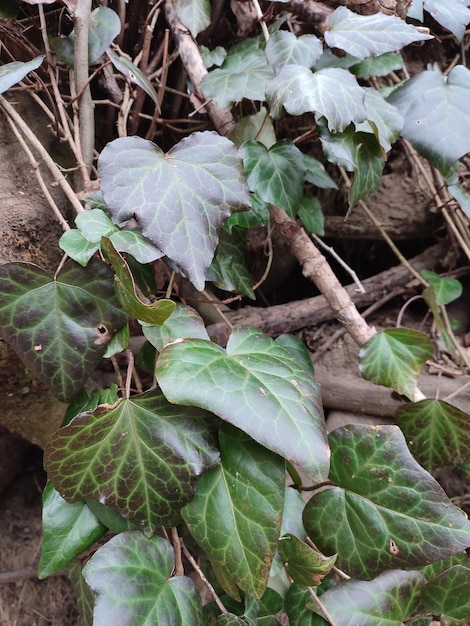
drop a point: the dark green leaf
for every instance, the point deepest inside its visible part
(132, 578)
(316, 174)
(12, 73)
(437, 432)
(391, 598)
(67, 531)
(438, 125)
(309, 211)
(228, 270)
(245, 495)
(183, 323)
(448, 593)
(434, 569)
(151, 312)
(393, 358)
(284, 48)
(367, 35)
(110, 517)
(200, 182)
(258, 215)
(83, 594)
(298, 350)
(229, 619)
(105, 25)
(452, 14)
(59, 327)
(258, 126)
(194, 14)
(119, 342)
(132, 73)
(294, 505)
(296, 601)
(276, 175)
(369, 167)
(331, 92)
(446, 289)
(243, 74)
(256, 385)
(305, 565)
(339, 148)
(141, 456)
(383, 119)
(385, 511)
(378, 66)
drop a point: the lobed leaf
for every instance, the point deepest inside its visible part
(141, 456)
(60, 326)
(284, 48)
(194, 14)
(446, 289)
(200, 182)
(256, 385)
(245, 494)
(132, 579)
(367, 35)
(452, 14)
(383, 119)
(385, 511)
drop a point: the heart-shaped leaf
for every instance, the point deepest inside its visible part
(452, 14)
(152, 312)
(243, 74)
(141, 456)
(194, 14)
(67, 531)
(246, 495)
(153, 596)
(305, 565)
(438, 126)
(393, 513)
(367, 35)
(183, 323)
(391, 598)
(275, 175)
(332, 92)
(447, 289)
(181, 198)
(448, 593)
(284, 48)
(59, 327)
(254, 384)
(393, 358)
(438, 433)
(12, 73)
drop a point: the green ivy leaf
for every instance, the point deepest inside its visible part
(254, 384)
(369, 167)
(296, 601)
(438, 125)
(229, 619)
(67, 531)
(383, 119)
(105, 25)
(316, 174)
(152, 312)
(305, 565)
(393, 513)
(216, 56)
(183, 323)
(391, 598)
(378, 65)
(448, 593)
(12, 73)
(258, 126)
(74, 244)
(132, 578)
(245, 494)
(452, 14)
(200, 182)
(110, 517)
(339, 148)
(309, 211)
(284, 48)
(228, 270)
(243, 74)
(194, 14)
(59, 327)
(258, 215)
(276, 175)
(294, 505)
(298, 350)
(84, 596)
(332, 92)
(133, 74)
(141, 456)
(367, 35)
(446, 289)
(437, 432)
(393, 358)
(435, 569)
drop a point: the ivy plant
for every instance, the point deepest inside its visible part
(189, 474)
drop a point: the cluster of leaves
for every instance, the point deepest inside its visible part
(206, 449)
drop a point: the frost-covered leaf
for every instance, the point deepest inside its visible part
(284, 48)
(243, 74)
(452, 14)
(200, 182)
(275, 175)
(132, 579)
(332, 92)
(438, 125)
(393, 358)
(141, 456)
(367, 35)
(194, 14)
(134, 74)
(12, 73)
(437, 432)
(245, 494)
(448, 593)
(393, 513)
(256, 385)
(60, 326)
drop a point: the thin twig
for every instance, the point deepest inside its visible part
(260, 16)
(321, 606)
(179, 569)
(349, 270)
(201, 575)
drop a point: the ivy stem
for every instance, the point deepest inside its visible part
(130, 369)
(179, 569)
(202, 576)
(260, 16)
(321, 606)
